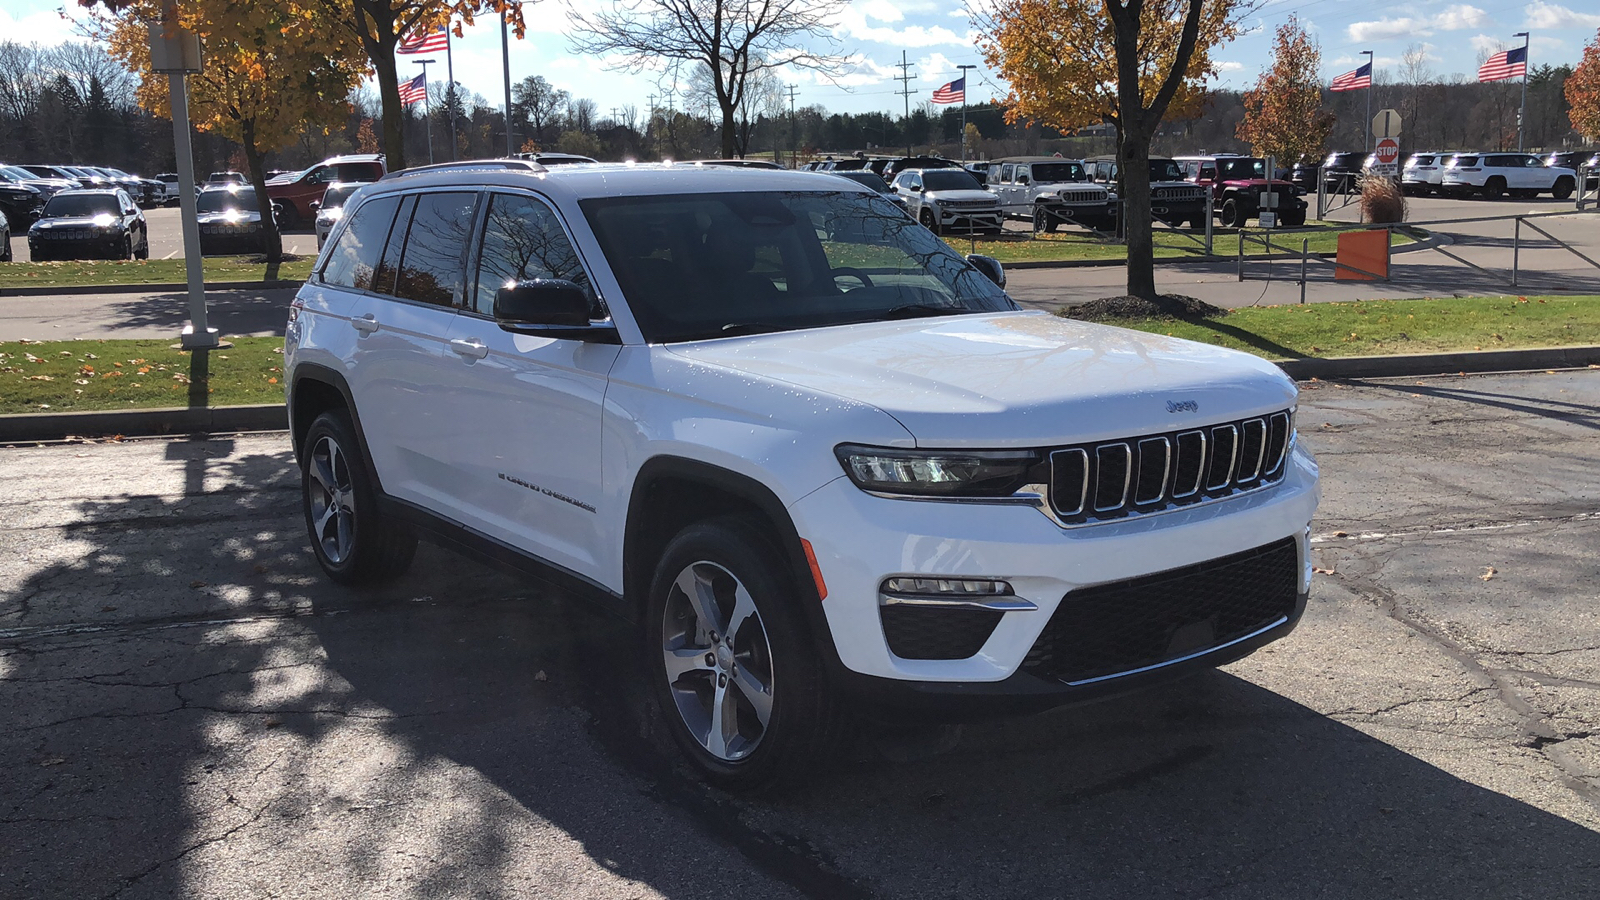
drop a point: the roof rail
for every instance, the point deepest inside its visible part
(468, 165)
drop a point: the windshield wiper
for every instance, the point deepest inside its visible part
(737, 328)
(919, 310)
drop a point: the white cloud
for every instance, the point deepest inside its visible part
(1555, 18)
(882, 10)
(1483, 42)
(1454, 18)
(936, 66)
(1224, 68)
(853, 23)
(45, 28)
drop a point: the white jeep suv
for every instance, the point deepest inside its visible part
(823, 461)
(949, 201)
(1496, 174)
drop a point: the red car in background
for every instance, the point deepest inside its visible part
(1238, 183)
(292, 194)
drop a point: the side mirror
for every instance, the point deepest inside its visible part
(549, 307)
(315, 205)
(920, 189)
(990, 267)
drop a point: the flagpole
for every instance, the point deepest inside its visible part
(450, 95)
(1522, 111)
(424, 64)
(505, 60)
(1370, 82)
(964, 112)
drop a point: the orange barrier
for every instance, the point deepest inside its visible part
(1363, 256)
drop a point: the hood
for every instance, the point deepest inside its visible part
(72, 222)
(222, 218)
(1012, 379)
(961, 196)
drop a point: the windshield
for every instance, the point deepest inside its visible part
(1242, 169)
(68, 205)
(1165, 170)
(949, 180)
(12, 173)
(1051, 173)
(335, 196)
(220, 201)
(716, 265)
(868, 179)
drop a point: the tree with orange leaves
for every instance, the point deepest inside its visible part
(1283, 114)
(1130, 63)
(271, 72)
(1583, 91)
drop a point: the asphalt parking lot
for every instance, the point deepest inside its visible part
(187, 709)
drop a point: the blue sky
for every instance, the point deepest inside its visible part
(936, 34)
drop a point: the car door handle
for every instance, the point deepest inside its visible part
(469, 349)
(366, 324)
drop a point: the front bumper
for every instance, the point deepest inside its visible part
(860, 540)
(982, 219)
(87, 246)
(1100, 216)
(221, 239)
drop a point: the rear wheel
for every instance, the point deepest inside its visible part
(733, 666)
(1231, 214)
(5, 247)
(1294, 218)
(1494, 188)
(1563, 188)
(353, 542)
(288, 216)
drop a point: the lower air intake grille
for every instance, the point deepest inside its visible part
(1113, 628)
(924, 632)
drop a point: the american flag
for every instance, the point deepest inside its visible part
(425, 43)
(415, 90)
(954, 92)
(1505, 64)
(1353, 81)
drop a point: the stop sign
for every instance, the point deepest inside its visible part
(1387, 152)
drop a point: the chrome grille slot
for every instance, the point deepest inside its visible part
(1155, 461)
(1224, 453)
(1154, 473)
(1069, 481)
(1113, 471)
(1252, 444)
(1191, 464)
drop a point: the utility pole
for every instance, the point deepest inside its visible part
(1371, 81)
(450, 95)
(794, 133)
(964, 86)
(905, 91)
(426, 115)
(1522, 111)
(650, 115)
(505, 61)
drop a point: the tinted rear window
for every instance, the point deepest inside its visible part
(81, 205)
(432, 267)
(354, 258)
(221, 201)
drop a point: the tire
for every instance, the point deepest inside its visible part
(1230, 215)
(5, 249)
(352, 541)
(928, 221)
(1199, 222)
(1041, 221)
(288, 217)
(1563, 188)
(144, 246)
(1494, 188)
(1294, 218)
(714, 571)
(127, 248)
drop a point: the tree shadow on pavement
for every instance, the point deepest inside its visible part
(228, 311)
(192, 710)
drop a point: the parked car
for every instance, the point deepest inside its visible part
(865, 178)
(47, 187)
(1342, 170)
(331, 207)
(979, 169)
(55, 172)
(949, 200)
(1238, 184)
(291, 194)
(1568, 159)
(22, 203)
(1591, 172)
(5, 238)
(1306, 174)
(170, 179)
(554, 159)
(735, 163)
(815, 486)
(1423, 172)
(1050, 192)
(90, 223)
(230, 221)
(1493, 175)
(892, 167)
(225, 179)
(1173, 199)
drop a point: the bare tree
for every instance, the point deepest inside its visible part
(729, 39)
(537, 102)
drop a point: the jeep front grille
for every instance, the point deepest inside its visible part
(1154, 473)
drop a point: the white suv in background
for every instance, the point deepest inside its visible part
(827, 466)
(949, 201)
(1423, 172)
(1496, 174)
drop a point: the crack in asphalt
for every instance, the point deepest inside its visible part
(1471, 526)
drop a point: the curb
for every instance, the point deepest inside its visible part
(30, 427)
(65, 290)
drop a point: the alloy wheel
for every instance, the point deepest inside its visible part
(332, 499)
(718, 661)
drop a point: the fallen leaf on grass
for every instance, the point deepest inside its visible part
(197, 584)
(540, 676)
(1321, 571)
(1488, 573)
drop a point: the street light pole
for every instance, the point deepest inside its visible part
(964, 69)
(426, 116)
(176, 53)
(1522, 111)
(505, 61)
(1370, 82)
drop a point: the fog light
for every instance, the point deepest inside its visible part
(953, 587)
(951, 593)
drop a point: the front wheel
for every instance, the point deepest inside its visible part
(5, 248)
(733, 666)
(1563, 188)
(127, 248)
(1231, 215)
(1294, 218)
(353, 542)
(929, 221)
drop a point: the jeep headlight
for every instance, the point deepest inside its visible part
(941, 473)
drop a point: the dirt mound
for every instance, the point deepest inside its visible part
(1165, 306)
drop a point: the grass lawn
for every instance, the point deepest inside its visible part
(1075, 244)
(64, 376)
(1380, 327)
(146, 271)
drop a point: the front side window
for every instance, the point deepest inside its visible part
(523, 240)
(717, 265)
(433, 261)
(1055, 173)
(353, 261)
(1006, 172)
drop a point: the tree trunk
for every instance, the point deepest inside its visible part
(258, 179)
(729, 138)
(1133, 161)
(394, 136)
